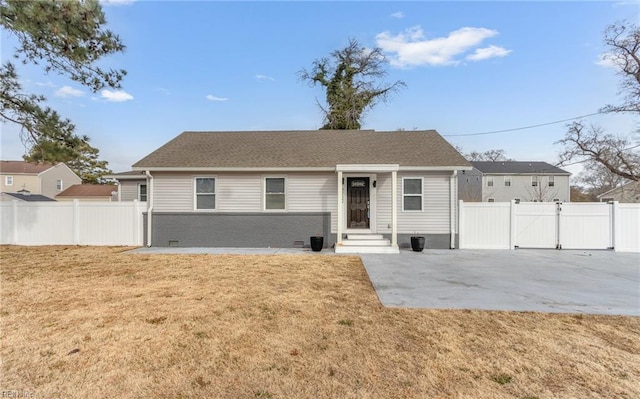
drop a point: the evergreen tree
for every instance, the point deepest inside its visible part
(67, 37)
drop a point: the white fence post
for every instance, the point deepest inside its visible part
(461, 227)
(512, 225)
(76, 222)
(616, 225)
(14, 208)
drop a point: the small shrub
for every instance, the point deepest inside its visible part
(263, 395)
(156, 320)
(200, 382)
(201, 334)
(347, 323)
(501, 378)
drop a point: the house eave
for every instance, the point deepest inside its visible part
(233, 169)
(340, 167)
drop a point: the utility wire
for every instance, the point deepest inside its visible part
(524, 127)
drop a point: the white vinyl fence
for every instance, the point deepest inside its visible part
(575, 225)
(72, 223)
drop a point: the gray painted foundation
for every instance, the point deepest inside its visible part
(240, 230)
(432, 241)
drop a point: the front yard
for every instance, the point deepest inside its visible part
(79, 322)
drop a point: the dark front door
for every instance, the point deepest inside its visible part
(357, 202)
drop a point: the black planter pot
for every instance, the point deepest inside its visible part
(316, 243)
(417, 243)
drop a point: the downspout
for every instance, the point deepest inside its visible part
(149, 206)
(452, 201)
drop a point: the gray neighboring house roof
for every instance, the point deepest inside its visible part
(30, 197)
(304, 149)
(128, 175)
(517, 168)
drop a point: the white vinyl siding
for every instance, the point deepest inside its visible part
(239, 192)
(172, 193)
(434, 218)
(129, 189)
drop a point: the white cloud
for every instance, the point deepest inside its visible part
(163, 90)
(606, 60)
(488, 52)
(264, 77)
(116, 96)
(211, 97)
(398, 14)
(44, 84)
(411, 48)
(68, 91)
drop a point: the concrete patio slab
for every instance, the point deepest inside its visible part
(566, 281)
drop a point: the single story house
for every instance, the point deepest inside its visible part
(362, 190)
(89, 192)
(628, 192)
(131, 185)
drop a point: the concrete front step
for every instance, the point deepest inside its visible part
(362, 243)
(366, 249)
(364, 237)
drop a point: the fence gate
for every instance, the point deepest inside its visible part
(536, 225)
(563, 225)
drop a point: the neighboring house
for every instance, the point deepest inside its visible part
(132, 185)
(513, 180)
(363, 191)
(37, 178)
(24, 196)
(89, 192)
(629, 192)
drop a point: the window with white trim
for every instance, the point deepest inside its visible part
(411, 194)
(490, 181)
(274, 193)
(142, 192)
(534, 181)
(552, 181)
(8, 180)
(205, 193)
(507, 181)
(59, 185)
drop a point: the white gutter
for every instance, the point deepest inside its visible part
(343, 168)
(149, 205)
(452, 182)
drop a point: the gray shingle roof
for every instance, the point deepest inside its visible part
(518, 167)
(291, 149)
(30, 197)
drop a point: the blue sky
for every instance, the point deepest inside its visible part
(469, 67)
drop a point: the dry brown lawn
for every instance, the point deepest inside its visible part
(87, 322)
